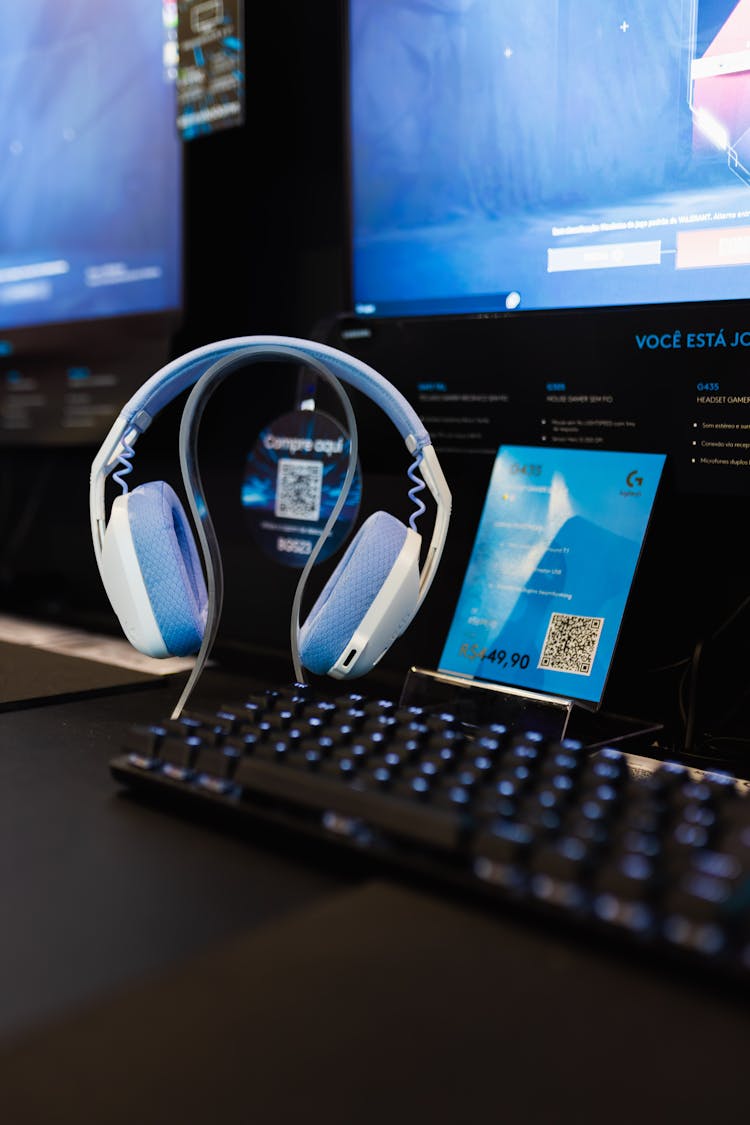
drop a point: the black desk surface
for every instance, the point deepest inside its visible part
(158, 970)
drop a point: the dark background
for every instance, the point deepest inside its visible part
(272, 259)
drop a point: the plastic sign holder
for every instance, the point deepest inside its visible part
(478, 703)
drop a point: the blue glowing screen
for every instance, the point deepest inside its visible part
(90, 164)
(556, 154)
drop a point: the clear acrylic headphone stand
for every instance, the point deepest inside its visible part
(189, 427)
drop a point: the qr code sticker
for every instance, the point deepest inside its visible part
(299, 485)
(571, 643)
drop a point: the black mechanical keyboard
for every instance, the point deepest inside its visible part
(656, 858)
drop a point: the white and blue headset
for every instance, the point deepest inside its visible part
(148, 559)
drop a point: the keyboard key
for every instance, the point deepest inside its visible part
(216, 762)
(506, 841)
(178, 755)
(142, 742)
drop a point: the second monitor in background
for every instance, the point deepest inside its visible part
(91, 224)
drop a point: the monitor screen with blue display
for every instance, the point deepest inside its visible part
(565, 154)
(90, 206)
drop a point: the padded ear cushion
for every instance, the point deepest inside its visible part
(170, 566)
(350, 591)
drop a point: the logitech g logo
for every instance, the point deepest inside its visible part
(634, 481)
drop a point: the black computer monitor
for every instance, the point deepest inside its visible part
(550, 245)
(90, 212)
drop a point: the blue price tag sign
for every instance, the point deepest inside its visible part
(553, 561)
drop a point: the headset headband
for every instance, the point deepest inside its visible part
(183, 372)
(164, 386)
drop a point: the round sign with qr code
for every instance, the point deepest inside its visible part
(293, 476)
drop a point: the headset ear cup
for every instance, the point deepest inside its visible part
(351, 590)
(170, 566)
(156, 584)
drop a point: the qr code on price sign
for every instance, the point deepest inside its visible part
(571, 643)
(299, 485)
